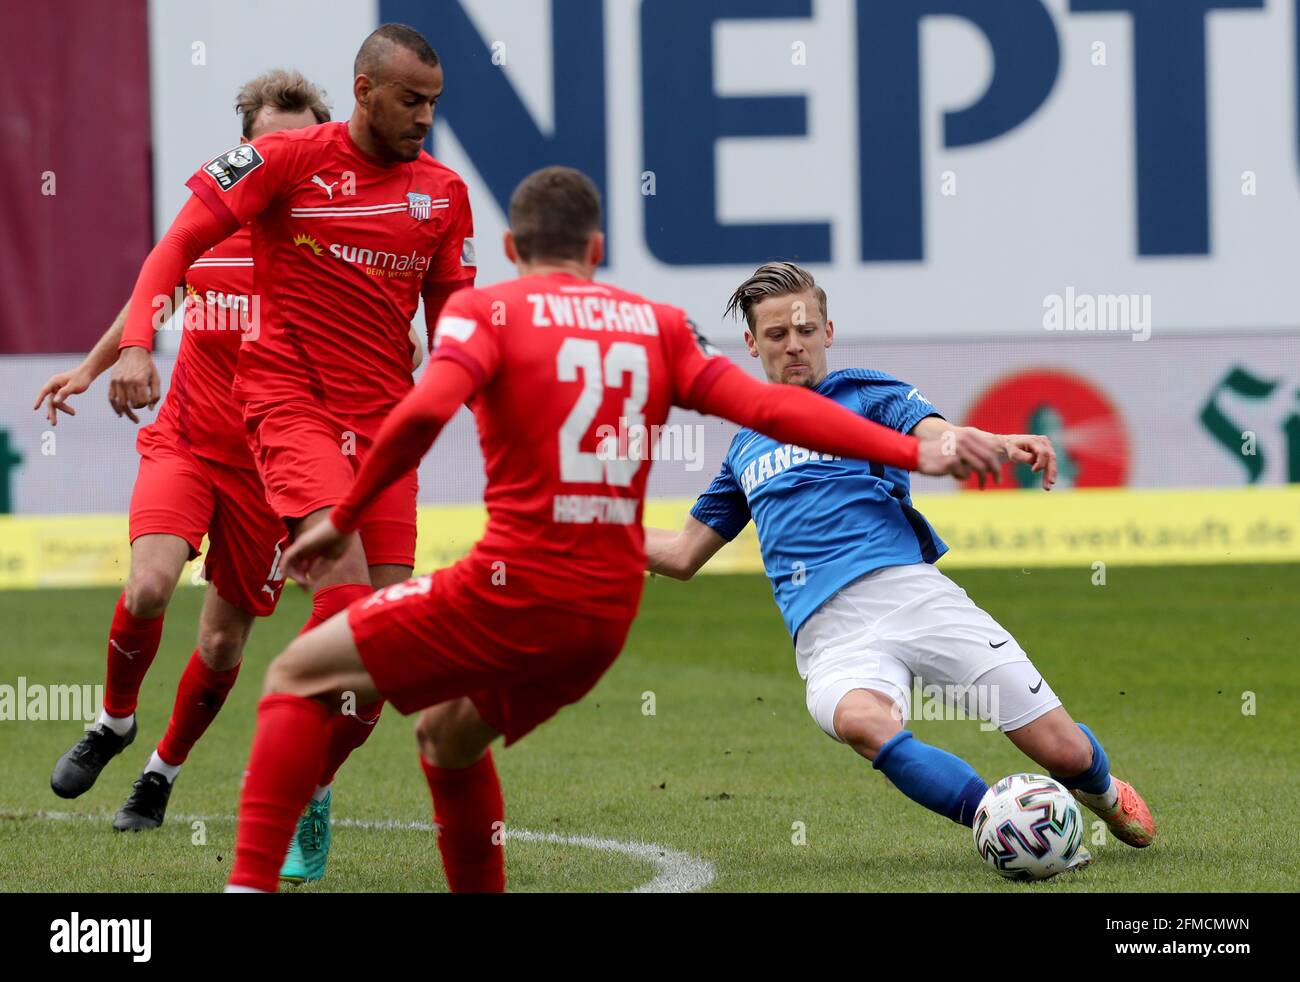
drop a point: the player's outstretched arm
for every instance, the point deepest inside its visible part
(64, 385)
(134, 383)
(405, 437)
(1033, 449)
(795, 415)
(681, 554)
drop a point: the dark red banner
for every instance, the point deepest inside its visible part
(75, 184)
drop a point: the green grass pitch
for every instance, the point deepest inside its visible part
(1160, 662)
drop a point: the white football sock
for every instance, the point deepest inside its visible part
(1103, 802)
(231, 888)
(321, 791)
(159, 766)
(120, 726)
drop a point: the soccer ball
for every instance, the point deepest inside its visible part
(1028, 827)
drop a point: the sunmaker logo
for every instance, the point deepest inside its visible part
(308, 242)
(375, 262)
(380, 263)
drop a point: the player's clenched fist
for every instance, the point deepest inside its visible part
(134, 383)
(314, 550)
(959, 453)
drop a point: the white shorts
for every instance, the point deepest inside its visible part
(906, 623)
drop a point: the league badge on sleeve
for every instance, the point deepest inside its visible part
(467, 256)
(708, 349)
(231, 167)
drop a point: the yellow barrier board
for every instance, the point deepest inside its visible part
(995, 529)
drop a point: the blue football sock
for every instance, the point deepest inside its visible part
(1096, 779)
(940, 781)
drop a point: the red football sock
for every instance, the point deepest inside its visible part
(328, 601)
(286, 757)
(346, 733)
(470, 814)
(199, 698)
(132, 644)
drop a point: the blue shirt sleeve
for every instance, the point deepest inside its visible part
(723, 507)
(895, 404)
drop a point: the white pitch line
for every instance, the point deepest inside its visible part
(675, 872)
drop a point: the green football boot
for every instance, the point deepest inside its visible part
(309, 849)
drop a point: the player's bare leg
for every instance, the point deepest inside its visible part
(345, 581)
(871, 723)
(310, 683)
(1072, 755)
(866, 720)
(204, 685)
(468, 808)
(389, 574)
(156, 565)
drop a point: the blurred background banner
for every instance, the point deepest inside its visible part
(75, 168)
(944, 167)
(1078, 218)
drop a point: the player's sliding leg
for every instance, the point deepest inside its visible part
(305, 687)
(133, 639)
(1074, 757)
(871, 722)
(468, 807)
(204, 685)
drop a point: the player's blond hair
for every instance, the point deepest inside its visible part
(285, 90)
(773, 280)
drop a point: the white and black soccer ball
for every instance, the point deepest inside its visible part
(1028, 827)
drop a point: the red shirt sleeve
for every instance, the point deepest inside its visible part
(435, 297)
(466, 335)
(793, 414)
(156, 295)
(691, 359)
(241, 183)
(454, 260)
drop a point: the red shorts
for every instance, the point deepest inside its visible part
(308, 458)
(429, 640)
(181, 494)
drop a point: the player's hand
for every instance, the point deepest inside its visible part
(417, 349)
(959, 453)
(59, 388)
(134, 383)
(313, 551)
(1036, 451)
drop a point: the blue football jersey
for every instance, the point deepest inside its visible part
(824, 521)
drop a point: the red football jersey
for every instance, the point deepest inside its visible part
(200, 412)
(576, 380)
(342, 246)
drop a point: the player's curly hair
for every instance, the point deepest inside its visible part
(283, 89)
(773, 280)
